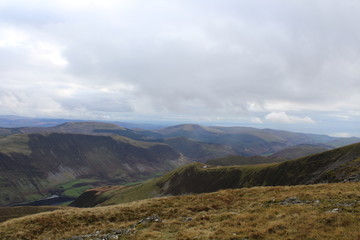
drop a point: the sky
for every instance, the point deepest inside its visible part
(283, 64)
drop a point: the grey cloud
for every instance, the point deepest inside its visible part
(260, 60)
(29, 13)
(94, 101)
(199, 58)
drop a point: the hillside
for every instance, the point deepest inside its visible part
(342, 164)
(338, 165)
(289, 153)
(322, 211)
(199, 151)
(299, 151)
(82, 127)
(243, 160)
(36, 165)
(247, 141)
(7, 213)
(200, 143)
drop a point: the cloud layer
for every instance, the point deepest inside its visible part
(255, 61)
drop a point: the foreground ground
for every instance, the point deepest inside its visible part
(323, 211)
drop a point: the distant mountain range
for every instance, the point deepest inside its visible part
(182, 168)
(248, 141)
(11, 121)
(70, 157)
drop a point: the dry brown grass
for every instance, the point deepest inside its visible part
(7, 213)
(248, 213)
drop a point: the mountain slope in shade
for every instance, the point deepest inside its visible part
(342, 164)
(338, 165)
(35, 163)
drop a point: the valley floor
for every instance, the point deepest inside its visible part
(322, 211)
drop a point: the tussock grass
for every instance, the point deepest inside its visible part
(251, 213)
(7, 213)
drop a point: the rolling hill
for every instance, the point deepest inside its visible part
(337, 165)
(73, 156)
(33, 165)
(299, 151)
(199, 151)
(248, 141)
(289, 153)
(197, 142)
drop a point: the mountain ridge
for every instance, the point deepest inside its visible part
(50, 159)
(337, 165)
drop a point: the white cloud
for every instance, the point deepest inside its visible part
(44, 53)
(182, 59)
(256, 120)
(282, 117)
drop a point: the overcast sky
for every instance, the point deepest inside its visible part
(285, 64)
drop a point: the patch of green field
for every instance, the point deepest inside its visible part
(34, 197)
(71, 184)
(133, 183)
(76, 187)
(148, 189)
(75, 192)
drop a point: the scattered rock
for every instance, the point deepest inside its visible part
(335, 210)
(345, 204)
(352, 178)
(117, 233)
(187, 219)
(290, 201)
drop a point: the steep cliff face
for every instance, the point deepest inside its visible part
(47, 160)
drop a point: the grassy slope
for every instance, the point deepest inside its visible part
(199, 151)
(336, 165)
(32, 165)
(17, 143)
(299, 151)
(243, 160)
(76, 187)
(250, 141)
(248, 213)
(7, 213)
(191, 178)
